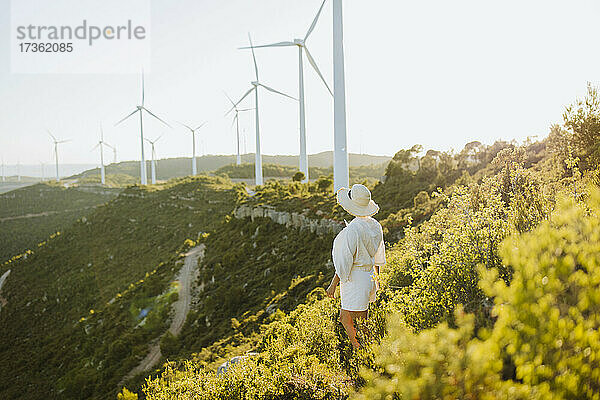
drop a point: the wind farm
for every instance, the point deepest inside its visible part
(256, 85)
(431, 163)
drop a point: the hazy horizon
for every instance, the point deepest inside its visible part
(439, 74)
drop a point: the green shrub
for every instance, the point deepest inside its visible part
(298, 176)
(438, 363)
(547, 325)
(582, 119)
(548, 317)
(168, 344)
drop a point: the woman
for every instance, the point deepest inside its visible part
(358, 252)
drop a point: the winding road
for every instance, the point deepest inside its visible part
(181, 307)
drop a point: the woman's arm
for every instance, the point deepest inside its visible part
(331, 289)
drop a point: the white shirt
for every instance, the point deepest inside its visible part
(359, 243)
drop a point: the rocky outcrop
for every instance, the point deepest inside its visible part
(296, 220)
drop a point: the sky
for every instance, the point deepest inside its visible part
(432, 72)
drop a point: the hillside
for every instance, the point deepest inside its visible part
(71, 325)
(492, 295)
(489, 289)
(29, 215)
(178, 167)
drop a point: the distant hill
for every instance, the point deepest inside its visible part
(246, 171)
(178, 167)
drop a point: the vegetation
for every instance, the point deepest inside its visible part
(72, 326)
(246, 171)
(490, 290)
(493, 296)
(30, 214)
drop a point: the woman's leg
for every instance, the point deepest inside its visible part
(347, 319)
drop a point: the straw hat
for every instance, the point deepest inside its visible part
(357, 201)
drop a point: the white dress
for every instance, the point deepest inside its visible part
(356, 249)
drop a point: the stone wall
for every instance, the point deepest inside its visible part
(290, 220)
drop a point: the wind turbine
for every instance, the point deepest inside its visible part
(340, 143)
(301, 44)
(114, 149)
(100, 145)
(153, 158)
(56, 143)
(255, 84)
(3, 174)
(236, 121)
(193, 132)
(140, 109)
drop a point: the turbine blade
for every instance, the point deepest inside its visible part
(276, 91)
(95, 147)
(148, 140)
(143, 91)
(278, 44)
(314, 23)
(101, 133)
(134, 111)
(150, 112)
(64, 141)
(51, 135)
(240, 100)
(157, 139)
(245, 109)
(314, 65)
(187, 126)
(233, 121)
(200, 126)
(253, 56)
(229, 98)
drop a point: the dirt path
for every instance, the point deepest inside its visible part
(181, 308)
(2, 280)
(42, 214)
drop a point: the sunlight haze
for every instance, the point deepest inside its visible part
(436, 73)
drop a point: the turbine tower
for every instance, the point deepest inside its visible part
(340, 143)
(301, 44)
(56, 143)
(100, 145)
(255, 85)
(140, 109)
(236, 121)
(153, 158)
(193, 132)
(3, 174)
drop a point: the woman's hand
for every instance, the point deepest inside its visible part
(331, 291)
